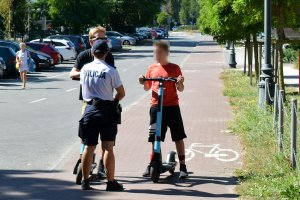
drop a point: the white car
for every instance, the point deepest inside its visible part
(66, 48)
(127, 40)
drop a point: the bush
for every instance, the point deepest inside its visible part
(187, 27)
(290, 55)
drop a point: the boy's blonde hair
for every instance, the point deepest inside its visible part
(95, 30)
(22, 44)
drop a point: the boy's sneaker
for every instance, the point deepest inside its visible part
(147, 172)
(101, 174)
(114, 186)
(85, 185)
(183, 172)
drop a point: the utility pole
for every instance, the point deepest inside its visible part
(267, 69)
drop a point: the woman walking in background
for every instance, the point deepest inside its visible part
(23, 60)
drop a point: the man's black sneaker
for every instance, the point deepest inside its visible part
(114, 186)
(147, 172)
(85, 185)
(183, 172)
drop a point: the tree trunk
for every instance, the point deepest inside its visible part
(249, 53)
(256, 56)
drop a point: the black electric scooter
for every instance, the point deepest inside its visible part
(157, 167)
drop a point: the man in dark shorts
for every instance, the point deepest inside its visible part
(85, 57)
(171, 115)
(99, 80)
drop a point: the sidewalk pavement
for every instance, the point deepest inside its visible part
(291, 74)
(205, 112)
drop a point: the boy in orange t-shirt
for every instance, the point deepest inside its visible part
(171, 116)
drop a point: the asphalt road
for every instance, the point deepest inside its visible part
(38, 126)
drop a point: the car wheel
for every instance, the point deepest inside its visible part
(61, 59)
(126, 42)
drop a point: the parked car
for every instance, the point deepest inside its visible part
(9, 57)
(86, 40)
(126, 40)
(2, 67)
(65, 47)
(147, 33)
(40, 59)
(175, 28)
(154, 34)
(117, 43)
(47, 49)
(160, 34)
(75, 39)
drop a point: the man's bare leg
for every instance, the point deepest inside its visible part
(109, 163)
(87, 160)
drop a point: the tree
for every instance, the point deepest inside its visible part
(14, 14)
(77, 15)
(162, 18)
(133, 12)
(189, 11)
(175, 9)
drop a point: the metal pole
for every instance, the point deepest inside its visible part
(267, 70)
(267, 93)
(280, 120)
(293, 133)
(260, 58)
(232, 63)
(275, 117)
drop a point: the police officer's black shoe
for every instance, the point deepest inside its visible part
(147, 172)
(183, 172)
(114, 186)
(85, 185)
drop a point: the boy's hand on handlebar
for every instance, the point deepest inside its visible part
(141, 79)
(180, 79)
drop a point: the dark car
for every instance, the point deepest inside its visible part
(47, 49)
(116, 43)
(2, 67)
(9, 56)
(86, 41)
(40, 59)
(77, 41)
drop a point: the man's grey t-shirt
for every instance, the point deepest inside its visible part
(99, 80)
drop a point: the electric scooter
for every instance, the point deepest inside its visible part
(158, 167)
(78, 168)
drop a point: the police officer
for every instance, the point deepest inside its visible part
(85, 57)
(99, 80)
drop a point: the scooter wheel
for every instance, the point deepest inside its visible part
(172, 171)
(154, 173)
(79, 175)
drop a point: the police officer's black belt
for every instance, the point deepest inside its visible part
(100, 102)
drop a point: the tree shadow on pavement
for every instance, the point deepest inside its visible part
(40, 185)
(186, 187)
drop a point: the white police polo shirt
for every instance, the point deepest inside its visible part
(98, 80)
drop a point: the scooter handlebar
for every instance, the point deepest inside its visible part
(161, 79)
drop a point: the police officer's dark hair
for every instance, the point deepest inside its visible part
(100, 55)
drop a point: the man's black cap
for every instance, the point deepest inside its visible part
(100, 46)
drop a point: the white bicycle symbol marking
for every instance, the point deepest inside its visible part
(224, 155)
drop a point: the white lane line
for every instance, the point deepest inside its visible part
(58, 75)
(70, 90)
(35, 101)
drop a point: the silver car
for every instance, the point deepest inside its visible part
(126, 40)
